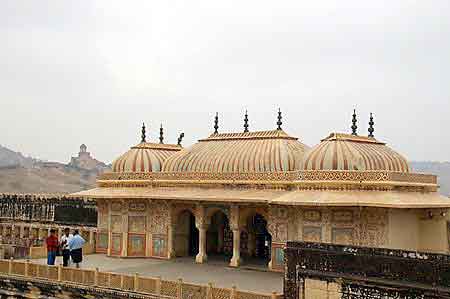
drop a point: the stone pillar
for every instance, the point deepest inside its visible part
(236, 259)
(22, 231)
(171, 241)
(270, 264)
(91, 237)
(171, 233)
(124, 229)
(108, 250)
(234, 225)
(91, 240)
(202, 257)
(202, 225)
(124, 244)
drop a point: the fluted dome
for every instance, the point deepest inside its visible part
(349, 152)
(144, 157)
(265, 151)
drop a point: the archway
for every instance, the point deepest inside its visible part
(219, 240)
(186, 235)
(259, 242)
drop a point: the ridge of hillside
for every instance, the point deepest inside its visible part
(20, 174)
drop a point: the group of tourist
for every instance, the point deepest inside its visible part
(70, 247)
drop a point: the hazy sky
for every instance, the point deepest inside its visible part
(75, 72)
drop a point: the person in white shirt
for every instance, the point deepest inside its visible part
(76, 248)
(65, 238)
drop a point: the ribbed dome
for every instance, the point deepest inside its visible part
(266, 151)
(144, 157)
(349, 152)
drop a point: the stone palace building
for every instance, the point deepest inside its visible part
(242, 196)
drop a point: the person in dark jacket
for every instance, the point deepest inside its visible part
(65, 238)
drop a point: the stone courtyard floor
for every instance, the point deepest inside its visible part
(215, 271)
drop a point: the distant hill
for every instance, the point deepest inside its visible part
(45, 180)
(19, 174)
(9, 158)
(441, 169)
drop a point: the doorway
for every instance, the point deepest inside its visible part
(186, 235)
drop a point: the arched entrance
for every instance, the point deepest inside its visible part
(219, 240)
(259, 241)
(186, 235)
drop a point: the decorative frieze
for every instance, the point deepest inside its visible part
(306, 175)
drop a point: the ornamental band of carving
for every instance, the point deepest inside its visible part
(325, 175)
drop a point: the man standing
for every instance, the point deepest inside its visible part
(52, 247)
(76, 248)
(65, 246)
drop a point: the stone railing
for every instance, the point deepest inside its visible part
(156, 287)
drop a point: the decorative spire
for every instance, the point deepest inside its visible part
(245, 122)
(216, 123)
(279, 122)
(143, 133)
(354, 121)
(161, 135)
(180, 138)
(371, 123)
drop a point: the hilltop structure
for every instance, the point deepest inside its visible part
(84, 160)
(244, 195)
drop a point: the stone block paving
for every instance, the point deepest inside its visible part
(215, 271)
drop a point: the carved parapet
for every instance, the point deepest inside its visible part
(312, 179)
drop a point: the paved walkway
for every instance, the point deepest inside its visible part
(215, 271)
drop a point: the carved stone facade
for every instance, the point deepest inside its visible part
(347, 226)
(163, 229)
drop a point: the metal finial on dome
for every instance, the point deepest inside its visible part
(216, 123)
(279, 122)
(371, 123)
(180, 138)
(245, 122)
(161, 135)
(354, 121)
(143, 133)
